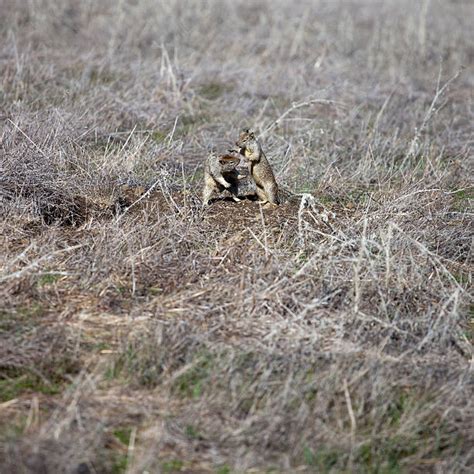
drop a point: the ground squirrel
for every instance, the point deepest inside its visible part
(259, 167)
(220, 173)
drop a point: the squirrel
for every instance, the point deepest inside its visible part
(259, 167)
(220, 174)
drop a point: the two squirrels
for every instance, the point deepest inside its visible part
(220, 172)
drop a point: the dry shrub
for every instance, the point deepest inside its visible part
(142, 333)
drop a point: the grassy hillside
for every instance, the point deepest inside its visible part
(140, 333)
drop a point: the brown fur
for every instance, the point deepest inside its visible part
(220, 173)
(259, 167)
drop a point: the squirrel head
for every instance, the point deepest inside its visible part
(228, 162)
(245, 136)
(248, 144)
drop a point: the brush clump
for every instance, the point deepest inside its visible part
(141, 332)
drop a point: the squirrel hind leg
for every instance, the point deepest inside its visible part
(206, 195)
(262, 195)
(272, 195)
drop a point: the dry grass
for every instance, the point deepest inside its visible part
(332, 334)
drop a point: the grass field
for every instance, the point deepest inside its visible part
(141, 333)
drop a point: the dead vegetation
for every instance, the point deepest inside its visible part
(140, 333)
